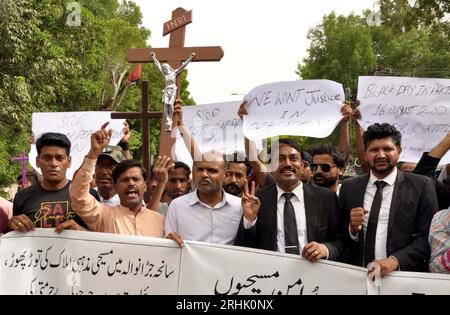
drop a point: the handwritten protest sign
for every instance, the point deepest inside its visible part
(418, 107)
(214, 127)
(78, 127)
(82, 263)
(303, 108)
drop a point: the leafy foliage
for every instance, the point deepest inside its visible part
(48, 64)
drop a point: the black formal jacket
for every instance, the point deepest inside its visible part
(322, 220)
(426, 166)
(413, 205)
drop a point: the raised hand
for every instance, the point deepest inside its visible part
(99, 141)
(347, 111)
(178, 113)
(162, 167)
(250, 203)
(242, 111)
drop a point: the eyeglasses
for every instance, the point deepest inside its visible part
(324, 166)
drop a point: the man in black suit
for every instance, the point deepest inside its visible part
(293, 217)
(388, 212)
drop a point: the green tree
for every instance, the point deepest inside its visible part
(48, 64)
(340, 50)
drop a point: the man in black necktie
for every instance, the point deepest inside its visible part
(293, 217)
(387, 212)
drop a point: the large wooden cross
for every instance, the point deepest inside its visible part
(145, 116)
(174, 56)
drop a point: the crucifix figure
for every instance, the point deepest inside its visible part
(22, 159)
(170, 89)
(175, 55)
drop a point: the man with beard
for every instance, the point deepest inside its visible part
(237, 169)
(207, 214)
(293, 217)
(328, 166)
(388, 212)
(47, 204)
(130, 217)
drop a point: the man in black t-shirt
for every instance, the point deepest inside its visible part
(47, 204)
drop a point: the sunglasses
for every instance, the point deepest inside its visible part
(324, 166)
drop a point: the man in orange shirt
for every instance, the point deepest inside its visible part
(131, 217)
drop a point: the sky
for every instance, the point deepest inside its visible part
(263, 40)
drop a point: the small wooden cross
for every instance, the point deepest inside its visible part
(174, 56)
(22, 159)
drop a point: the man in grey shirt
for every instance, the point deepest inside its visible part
(207, 214)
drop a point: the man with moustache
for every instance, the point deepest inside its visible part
(130, 217)
(106, 162)
(237, 170)
(293, 217)
(387, 212)
(47, 204)
(328, 166)
(208, 214)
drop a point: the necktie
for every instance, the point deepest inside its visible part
(290, 226)
(371, 231)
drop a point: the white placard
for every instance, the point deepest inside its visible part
(418, 107)
(230, 270)
(213, 127)
(78, 127)
(84, 263)
(45, 263)
(302, 108)
(415, 283)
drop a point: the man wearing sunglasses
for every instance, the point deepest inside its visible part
(328, 166)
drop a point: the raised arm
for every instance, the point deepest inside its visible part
(259, 168)
(123, 143)
(190, 142)
(185, 63)
(344, 137)
(156, 61)
(161, 172)
(85, 205)
(359, 141)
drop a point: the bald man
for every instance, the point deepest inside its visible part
(207, 214)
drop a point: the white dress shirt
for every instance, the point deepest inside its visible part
(196, 221)
(300, 217)
(299, 208)
(383, 217)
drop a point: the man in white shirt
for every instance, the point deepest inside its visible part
(207, 214)
(388, 212)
